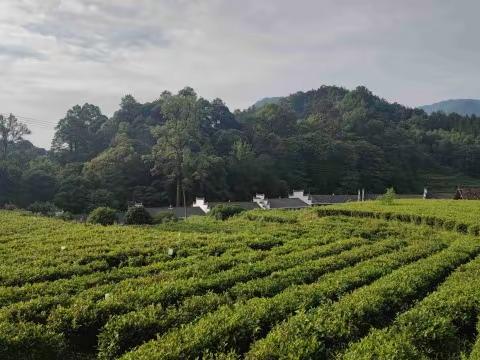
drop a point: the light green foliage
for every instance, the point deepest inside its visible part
(462, 216)
(359, 281)
(389, 197)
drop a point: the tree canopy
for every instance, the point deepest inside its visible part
(328, 140)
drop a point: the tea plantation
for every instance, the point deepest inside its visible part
(356, 281)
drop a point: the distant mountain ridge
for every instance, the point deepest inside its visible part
(459, 106)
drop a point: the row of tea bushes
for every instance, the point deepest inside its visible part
(238, 325)
(329, 328)
(433, 221)
(440, 326)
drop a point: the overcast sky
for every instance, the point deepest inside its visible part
(58, 53)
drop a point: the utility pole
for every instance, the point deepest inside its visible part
(184, 202)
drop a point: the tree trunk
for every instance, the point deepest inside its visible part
(5, 148)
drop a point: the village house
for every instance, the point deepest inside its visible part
(316, 200)
(298, 199)
(467, 193)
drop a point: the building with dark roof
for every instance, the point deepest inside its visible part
(467, 193)
(242, 204)
(286, 203)
(332, 199)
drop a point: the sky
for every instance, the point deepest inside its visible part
(55, 54)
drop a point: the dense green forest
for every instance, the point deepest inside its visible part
(181, 145)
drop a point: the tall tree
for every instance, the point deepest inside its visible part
(78, 134)
(11, 132)
(119, 167)
(178, 136)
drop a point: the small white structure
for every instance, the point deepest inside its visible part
(300, 194)
(261, 201)
(202, 204)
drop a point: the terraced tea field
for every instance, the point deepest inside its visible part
(359, 281)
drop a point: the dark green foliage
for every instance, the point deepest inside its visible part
(137, 215)
(29, 341)
(223, 212)
(65, 215)
(164, 217)
(43, 208)
(103, 216)
(328, 140)
(78, 136)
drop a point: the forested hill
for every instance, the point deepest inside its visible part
(266, 101)
(459, 106)
(324, 141)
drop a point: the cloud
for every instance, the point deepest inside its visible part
(57, 53)
(19, 52)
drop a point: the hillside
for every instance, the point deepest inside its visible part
(360, 281)
(327, 140)
(459, 106)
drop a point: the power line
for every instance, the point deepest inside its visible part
(32, 121)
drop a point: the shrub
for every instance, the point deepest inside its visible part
(474, 230)
(164, 217)
(269, 218)
(223, 212)
(389, 197)
(103, 216)
(65, 215)
(137, 215)
(43, 208)
(461, 228)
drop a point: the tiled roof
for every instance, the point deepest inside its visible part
(243, 204)
(286, 203)
(448, 196)
(338, 199)
(178, 211)
(468, 193)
